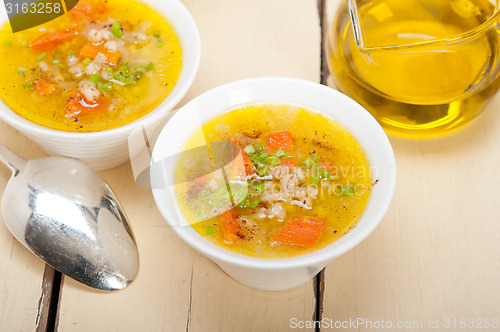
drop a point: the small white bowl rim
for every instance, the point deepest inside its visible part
(12, 118)
(315, 258)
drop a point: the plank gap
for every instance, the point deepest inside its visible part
(54, 302)
(323, 21)
(48, 302)
(319, 280)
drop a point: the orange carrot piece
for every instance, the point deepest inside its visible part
(249, 166)
(51, 40)
(78, 105)
(91, 50)
(292, 162)
(300, 231)
(84, 10)
(282, 140)
(230, 226)
(44, 88)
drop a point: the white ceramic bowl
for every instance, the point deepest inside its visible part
(107, 149)
(282, 273)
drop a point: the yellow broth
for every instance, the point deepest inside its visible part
(146, 39)
(314, 134)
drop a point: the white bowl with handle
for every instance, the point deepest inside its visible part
(279, 273)
(110, 148)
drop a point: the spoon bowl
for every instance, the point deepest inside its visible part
(64, 212)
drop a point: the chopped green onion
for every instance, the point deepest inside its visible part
(8, 42)
(249, 149)
(160, 44)
(315, 180)
(41, 56)
(254, 203)
(211, 230)
(150, 66)
(325, 175)
(68, 76)
(140, 69)
(279, 153)
(21, 73)
(56, 61)
(109, 70)
(106, 86)
(255, 157)
(29, 87)
(273, 161)
(71, 53)
(117, 30)
(334, 177)
(95, 78)
(262, 170)
(61, 65)
(86, 61)
(202, 216)
(259, 147)
(257, 190)
(282, 153)
(311, 160)
(348, 191)
(156, 34)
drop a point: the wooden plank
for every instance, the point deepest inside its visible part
(24, 293)
(178, 289)
(435, 254)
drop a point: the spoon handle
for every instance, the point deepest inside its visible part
(15, 163)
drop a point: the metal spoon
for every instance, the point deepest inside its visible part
(65, 213)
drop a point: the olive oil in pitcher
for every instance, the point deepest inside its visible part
(426, 67)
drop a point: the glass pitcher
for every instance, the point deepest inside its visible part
(421, 67)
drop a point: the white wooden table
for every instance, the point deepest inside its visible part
(435, 256)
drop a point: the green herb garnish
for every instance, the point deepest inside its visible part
(211, 230)
(315, 180)
(257, 189)
(106, 86)
(30, 87)
(95, 78)
(262, 170)
(348, 191)
(272, 161)
(259, 147)
(311, 160)
(41, 56)
(117, 30)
